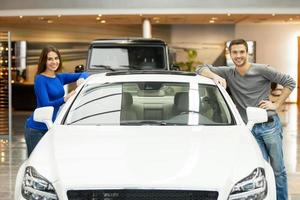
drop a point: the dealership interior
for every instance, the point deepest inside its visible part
(271, 27)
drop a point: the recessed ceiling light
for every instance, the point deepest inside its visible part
(211, 21)
(58, 16)
(20, 16)
(103, 21)
(98, 18)
(99, 15)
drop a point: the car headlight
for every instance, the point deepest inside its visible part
(36, 187)
(253, 186)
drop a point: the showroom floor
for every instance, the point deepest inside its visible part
(11, 158)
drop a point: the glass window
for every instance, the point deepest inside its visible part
(212, 106)
(97, 104)
(149, 103)
(130, 57)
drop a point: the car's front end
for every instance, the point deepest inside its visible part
(153, 137)
(87, 163)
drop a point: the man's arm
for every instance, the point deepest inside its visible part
(205, 71)
(285, 80)
(269, 105)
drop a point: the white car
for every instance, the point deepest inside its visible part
(147, 136)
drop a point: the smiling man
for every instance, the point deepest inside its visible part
(249, 84)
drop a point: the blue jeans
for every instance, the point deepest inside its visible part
(32, 138)
(269, 138)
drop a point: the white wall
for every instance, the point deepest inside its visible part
(209, 40)
(276, 44)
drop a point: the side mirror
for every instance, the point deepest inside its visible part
(44, 115)
(79, 68)
(256, 115)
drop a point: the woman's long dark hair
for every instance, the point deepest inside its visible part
(43, 59)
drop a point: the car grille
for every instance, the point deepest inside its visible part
(141, 195)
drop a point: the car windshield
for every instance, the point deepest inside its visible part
(128, 57)
(149, 103)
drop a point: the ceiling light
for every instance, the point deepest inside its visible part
(211, 21)
(20, 16)
(103, 21)
(98, 18)
(99, 15)
(41, 18)
(228, 14)
(214, 18)
(59, 16)
(49, 21)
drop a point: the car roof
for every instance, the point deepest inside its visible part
(153, 75)
(132, 40)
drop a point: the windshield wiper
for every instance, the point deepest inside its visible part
(105, 67)
(149, 122)
(134, 67)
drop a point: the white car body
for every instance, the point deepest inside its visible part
(146, 158)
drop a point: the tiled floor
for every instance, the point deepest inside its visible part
(11, 158)
(291, 138)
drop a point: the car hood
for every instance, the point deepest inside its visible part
(146, 156)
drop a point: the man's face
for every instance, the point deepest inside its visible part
(239, 55)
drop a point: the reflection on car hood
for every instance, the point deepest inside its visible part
(145, 156)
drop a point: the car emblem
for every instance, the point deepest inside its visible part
(110, 195)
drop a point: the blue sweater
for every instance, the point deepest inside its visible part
(50, 92)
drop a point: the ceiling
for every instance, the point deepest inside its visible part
(155, 19)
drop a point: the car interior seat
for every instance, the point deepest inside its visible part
(205, 107)
(128, 113)
(210, 109)
(148, 64)
(181, 103)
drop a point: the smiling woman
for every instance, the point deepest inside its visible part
(49, 91)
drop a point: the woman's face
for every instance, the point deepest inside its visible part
(52, 61)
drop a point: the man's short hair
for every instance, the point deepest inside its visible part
(237, 42)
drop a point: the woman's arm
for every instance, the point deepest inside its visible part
(67, 78)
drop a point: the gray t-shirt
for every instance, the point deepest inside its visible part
(254, 86)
